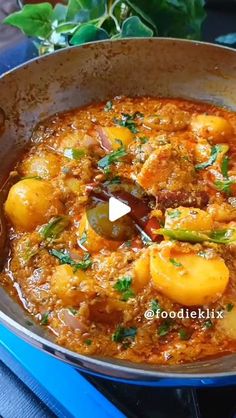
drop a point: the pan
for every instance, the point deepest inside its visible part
(95, 72)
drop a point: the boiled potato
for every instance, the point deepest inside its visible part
(103, 234)
(213, 128)
(187, 278)
(227, 325)
(202, 151)
(114, 137)
(141, 271)
(193, 219)
(71, 287)
(46, 165)
(222, 212)
(31, 202)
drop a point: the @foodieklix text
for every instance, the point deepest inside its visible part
(184, 313)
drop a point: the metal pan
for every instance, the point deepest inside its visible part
(77, 76)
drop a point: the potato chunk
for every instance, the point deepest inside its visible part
(213, 128)
(193, 219)
(30, 203)
(223, 212)
(72, 288)
(187, 278)
(165, 168)
(45, 165)
(114, 137)
(141, 271)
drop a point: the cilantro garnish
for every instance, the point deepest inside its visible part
(111, 158)
(122, 333)
(215, 151)
(65, 258)
(123, 286)
(175, 263)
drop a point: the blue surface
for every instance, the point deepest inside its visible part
(69, 392)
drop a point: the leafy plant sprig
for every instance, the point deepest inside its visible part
(83, 21)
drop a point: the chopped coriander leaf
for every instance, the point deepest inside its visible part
(122, 333)
(164, 328)
(183, 335)
(208, 324)
(229, 307)
(128, 243)
(175, 263)
(215, 151)
(174, 213)
(73, 311)
(108, 106)
(73, 153)
(45, 318)
(123, 286)
(155, 306)
(65, 258)
(114, 180)
(128, 121)
(224, 185)
(111, 158)
(88, 342)
(225, 166)
(83, 238)
(54, 228)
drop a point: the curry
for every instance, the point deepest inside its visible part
(114, 289)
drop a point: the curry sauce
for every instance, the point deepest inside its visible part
(174, 161)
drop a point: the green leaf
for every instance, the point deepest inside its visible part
(224, 186)
(108, 106)
(111, 158)
(73, 153)
(173, 214)
(123, 286)
(45, 318)
(179, 18)
(228, 39)
(215, 151)
(59, 12)
(122, 333)
(128, 121)
(33, 20)
(221, 236)
(134, 27)
(66, 28)
(183, 335)
(164, 328)
(175, 262)
(225, 166)
(88, 33)
(54, 228)
(155, 306)
(85, 10)
(65, 258)
(229, 307)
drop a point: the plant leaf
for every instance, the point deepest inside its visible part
(54, 228)
(85, 10)
(66, 27)
(88, 33)
(59, 12)
(228, 39)
(33, 20)
(134, 27)
(179, 18)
